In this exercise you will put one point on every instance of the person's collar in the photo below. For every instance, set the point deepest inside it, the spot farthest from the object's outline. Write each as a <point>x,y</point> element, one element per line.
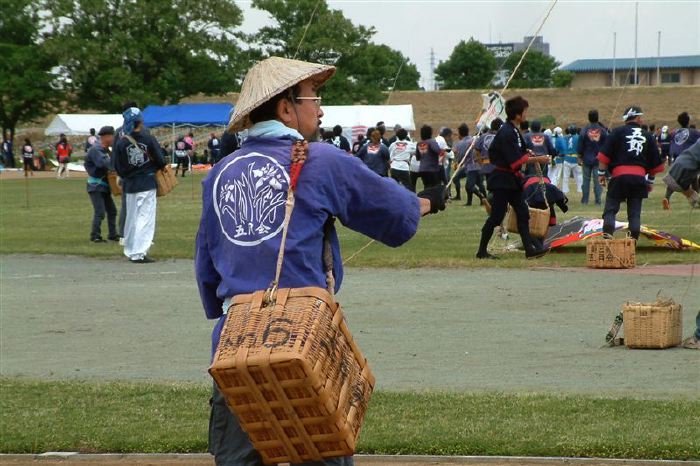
<point>274,129</point>
<point>632,123</point>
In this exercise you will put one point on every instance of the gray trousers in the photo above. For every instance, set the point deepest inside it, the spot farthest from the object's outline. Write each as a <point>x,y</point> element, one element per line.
<point>102,203</point>
<point>230,444</point>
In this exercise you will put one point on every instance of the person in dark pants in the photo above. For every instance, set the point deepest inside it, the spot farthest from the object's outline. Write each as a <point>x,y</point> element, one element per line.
<point>400,152</point>
<point>7,153</point>
<point>508,152</point>
<point>429,154</point>
<point>591,139</point>
<point>97,165</point>
<point>183,152</point>
<point>28,157</point>
<point>631,156</point>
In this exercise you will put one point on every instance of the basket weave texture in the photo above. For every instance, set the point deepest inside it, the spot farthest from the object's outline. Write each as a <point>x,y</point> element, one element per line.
<point>655,325</point>
<point>539,221</point>
<point>611,253</point>
<point>114,187</point>
<point>293,375</point>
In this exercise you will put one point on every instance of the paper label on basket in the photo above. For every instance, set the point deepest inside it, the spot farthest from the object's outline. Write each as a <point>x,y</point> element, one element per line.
<point>249,199</point>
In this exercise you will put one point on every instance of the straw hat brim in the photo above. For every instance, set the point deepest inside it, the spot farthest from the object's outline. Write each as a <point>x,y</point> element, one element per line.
<point>267,79</point>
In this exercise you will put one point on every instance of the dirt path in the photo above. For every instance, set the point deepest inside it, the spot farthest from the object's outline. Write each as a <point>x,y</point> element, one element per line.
<point>422,329</point>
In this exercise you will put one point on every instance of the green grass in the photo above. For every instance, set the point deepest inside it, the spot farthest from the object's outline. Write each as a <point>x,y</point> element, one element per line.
<point>145,417</point>
<point>58,222</point>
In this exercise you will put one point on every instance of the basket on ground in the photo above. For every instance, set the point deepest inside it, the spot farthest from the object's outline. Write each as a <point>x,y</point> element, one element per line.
<point>539,222</point>
<point>655,325</point>
<point>293,375</point>
<point>602,253</point>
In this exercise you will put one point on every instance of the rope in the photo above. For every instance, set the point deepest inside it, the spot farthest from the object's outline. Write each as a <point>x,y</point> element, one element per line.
<point>303,36</point>
<point>474,139</point>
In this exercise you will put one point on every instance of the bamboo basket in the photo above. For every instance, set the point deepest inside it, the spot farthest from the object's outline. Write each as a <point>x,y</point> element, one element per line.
<point>113,184</point>
<point>539,221</point>
<point>604,253</point>
<point>656,325</point>
<point>293,375</point>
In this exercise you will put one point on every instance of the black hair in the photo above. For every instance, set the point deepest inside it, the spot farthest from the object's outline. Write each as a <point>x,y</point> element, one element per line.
<point>92,131</point>
<point>684,119</point>
<point>426,132</point>
<point>593,116</point>
<point>652,128</point>
<point>645,127</point>
<point>27,142</point>
<point>445,132</point>
<point>536,126</point>
<point>515,106</point>
<point>268,110</point>
<point>337,130</point>
<point>524,125</point>
<point>496,124</point>
<point>128,104</point>
<point>401,134</point>
<point>463,130</point>
<point>369,131</point>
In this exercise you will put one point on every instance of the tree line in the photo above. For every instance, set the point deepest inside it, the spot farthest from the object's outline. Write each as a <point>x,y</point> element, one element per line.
<point>97,54</point>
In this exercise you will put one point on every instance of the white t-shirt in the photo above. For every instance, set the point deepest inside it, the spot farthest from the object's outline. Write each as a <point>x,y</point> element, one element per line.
<point>401,154</point>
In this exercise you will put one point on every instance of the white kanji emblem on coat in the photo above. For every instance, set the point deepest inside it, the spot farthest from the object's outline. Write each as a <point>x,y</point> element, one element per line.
<point>636,141</point>
<point>249,197</point>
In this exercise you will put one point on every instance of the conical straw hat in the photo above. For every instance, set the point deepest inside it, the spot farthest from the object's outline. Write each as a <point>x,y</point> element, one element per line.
<point>268,78</point>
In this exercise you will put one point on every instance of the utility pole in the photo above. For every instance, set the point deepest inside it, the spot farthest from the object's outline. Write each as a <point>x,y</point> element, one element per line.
<point>614,80</point>
<point>636,27</point>
<point>658,60</point>
<point>432,69</point>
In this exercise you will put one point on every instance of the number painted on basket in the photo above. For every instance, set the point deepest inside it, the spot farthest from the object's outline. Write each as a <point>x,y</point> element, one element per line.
<point>276,332</point>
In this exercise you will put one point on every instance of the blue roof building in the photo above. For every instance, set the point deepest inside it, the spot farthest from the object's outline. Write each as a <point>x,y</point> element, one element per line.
<point>683,70</point>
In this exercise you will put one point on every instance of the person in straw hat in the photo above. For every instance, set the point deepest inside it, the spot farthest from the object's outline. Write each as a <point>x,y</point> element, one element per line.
<point>243,209</point>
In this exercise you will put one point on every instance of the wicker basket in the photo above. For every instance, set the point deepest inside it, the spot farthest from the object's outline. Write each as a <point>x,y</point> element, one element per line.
<point>604,253</point>
<point>656,325</point>
<point>113,184</point>
<point>293,375</point>
<point>539,222</point>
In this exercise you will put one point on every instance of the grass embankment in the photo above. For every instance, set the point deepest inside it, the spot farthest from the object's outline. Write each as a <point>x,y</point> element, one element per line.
<point>121,417</point>
<point>59,216</point>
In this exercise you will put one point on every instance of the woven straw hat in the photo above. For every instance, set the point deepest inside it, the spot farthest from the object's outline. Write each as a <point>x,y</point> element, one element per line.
<point>268,78</point>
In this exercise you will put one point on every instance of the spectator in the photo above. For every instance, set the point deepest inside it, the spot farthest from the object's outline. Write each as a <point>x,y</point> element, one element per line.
<point>214,146</point>
<point>97,166</point>
<point>629,154</point>
<point>358,144</point>
<point>591,140</point>
<point>664,142</point>
<point>465,155</point>
<point>382,129</point>
<point>429,154</point>
<point>137,157</point>
<point>63,153</point>
<point>375,155</point>
<point>7,151</point>
<point>508,152</point>
<point>392,139</point>
<point>338,140</point>
<point>444,141</point>
<point>91,140</point>
<point>401,151</point>
<point>566,147</point>
<point>28,157</point>
<point>183,152</point>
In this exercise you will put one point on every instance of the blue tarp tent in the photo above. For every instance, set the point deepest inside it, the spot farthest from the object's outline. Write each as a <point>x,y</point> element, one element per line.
<point>187,115</point>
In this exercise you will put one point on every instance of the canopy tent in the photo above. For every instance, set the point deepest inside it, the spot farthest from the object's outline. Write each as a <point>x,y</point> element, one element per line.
<point>187,115</point>
<point>79,124</point>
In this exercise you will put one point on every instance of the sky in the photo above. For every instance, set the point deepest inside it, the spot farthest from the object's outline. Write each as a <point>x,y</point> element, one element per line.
<point>574,30</point>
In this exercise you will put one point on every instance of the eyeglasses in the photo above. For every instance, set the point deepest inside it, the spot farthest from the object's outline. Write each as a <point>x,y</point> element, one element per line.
<point>315,99</point>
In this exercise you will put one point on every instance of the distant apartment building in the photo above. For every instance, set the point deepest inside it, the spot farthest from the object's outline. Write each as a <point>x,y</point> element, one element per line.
<point>684,71</point>
<point>502,50</point>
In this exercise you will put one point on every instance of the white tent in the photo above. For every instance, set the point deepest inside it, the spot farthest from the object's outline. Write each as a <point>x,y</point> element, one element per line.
<point>79,124</point>
<point>349,116</point>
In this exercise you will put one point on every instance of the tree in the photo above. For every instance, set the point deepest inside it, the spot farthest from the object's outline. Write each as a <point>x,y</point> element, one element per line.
<point>27,84</point>
<point>562,78</point>
<point>536,70</point>
<point>150,51</point>
<point>470,66</point>
<point>365,71</point>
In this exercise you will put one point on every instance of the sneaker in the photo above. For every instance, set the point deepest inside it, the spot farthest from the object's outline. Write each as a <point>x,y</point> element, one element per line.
<point>536,253</point>
<point>691,343</point>
<point>99,239</point>
<point>115,238</point>
<point>143,260</point>
<point>666,203</point>
<point>485,255</point>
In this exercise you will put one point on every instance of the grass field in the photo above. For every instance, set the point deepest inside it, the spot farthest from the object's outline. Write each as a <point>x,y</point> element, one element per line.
<point>120,417</point>
<point>59,216</point>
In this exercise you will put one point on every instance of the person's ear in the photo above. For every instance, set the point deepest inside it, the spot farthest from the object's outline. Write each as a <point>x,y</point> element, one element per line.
<point>285,112</point>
